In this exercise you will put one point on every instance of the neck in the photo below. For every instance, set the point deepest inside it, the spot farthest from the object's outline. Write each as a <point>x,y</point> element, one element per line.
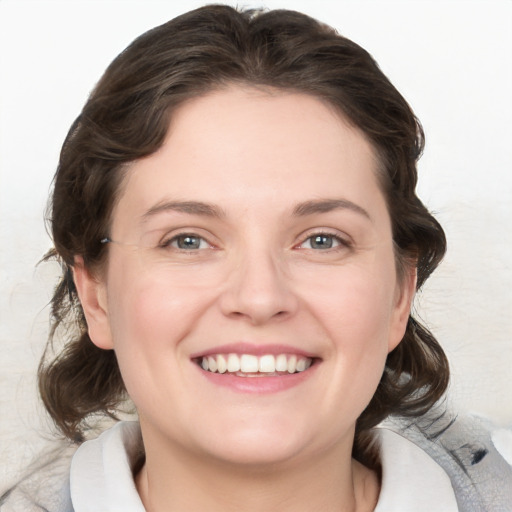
<point>174,480</point>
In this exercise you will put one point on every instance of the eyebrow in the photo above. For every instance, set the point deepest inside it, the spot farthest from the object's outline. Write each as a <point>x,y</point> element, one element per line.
<point>210,210</point>
<point>328,205</point>
<point>189,207</point>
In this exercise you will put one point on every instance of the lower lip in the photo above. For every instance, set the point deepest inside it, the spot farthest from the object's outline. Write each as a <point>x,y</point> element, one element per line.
<point>258,385</point>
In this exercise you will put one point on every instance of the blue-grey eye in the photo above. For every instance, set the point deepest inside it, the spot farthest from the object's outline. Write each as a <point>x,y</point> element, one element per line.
<point>321,242</point>
<point>189,242</point>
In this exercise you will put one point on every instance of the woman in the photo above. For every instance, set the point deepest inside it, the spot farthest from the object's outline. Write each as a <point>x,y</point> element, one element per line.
<point>241,242</point>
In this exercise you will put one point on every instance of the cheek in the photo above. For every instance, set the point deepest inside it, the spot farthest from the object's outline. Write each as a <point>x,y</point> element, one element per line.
<point>149,318</point>
<point>356,304</point>
<point>359,325</point>
<point>353,310</point>
<point>356,312</point>
<point>148,314</point>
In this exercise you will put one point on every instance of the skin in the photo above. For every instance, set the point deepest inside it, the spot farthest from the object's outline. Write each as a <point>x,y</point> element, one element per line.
<point>253,156</point>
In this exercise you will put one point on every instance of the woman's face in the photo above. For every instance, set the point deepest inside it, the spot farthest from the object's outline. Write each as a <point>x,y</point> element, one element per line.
<point>257,237</point>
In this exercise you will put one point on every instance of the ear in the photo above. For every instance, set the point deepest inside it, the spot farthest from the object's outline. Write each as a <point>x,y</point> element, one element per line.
<point>406,290</point>
<point>93,297</point>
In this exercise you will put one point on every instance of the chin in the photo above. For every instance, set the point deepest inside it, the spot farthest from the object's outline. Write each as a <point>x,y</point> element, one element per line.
<point>260,443</point>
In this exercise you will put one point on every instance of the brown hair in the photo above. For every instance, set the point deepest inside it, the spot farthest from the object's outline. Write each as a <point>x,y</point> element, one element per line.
<point>127,117</point>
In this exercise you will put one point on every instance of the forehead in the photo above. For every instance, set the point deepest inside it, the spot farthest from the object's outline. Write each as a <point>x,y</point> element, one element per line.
<point>264,119</point>
<point>239,145</point>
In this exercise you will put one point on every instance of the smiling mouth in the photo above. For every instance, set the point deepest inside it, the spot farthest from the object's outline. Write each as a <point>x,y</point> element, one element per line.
<point>248,365</point>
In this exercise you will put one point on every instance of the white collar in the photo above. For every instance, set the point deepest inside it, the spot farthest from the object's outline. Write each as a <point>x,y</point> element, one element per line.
<point>102,478</point>
<point>101,475</point>
<point>411,480</point>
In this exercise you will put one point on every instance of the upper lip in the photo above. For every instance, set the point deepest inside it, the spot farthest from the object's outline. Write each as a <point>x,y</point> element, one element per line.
<point>253,349</point>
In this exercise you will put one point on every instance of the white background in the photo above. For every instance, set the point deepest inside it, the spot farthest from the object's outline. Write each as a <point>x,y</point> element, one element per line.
<point>451,61</point>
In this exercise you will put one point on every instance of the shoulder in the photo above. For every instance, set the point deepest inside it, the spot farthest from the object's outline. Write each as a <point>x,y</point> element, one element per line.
<point>475,455</point>
<point>45,487</point>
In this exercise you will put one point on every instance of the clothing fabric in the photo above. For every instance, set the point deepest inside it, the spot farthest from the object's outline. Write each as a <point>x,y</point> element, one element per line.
<point>442,465</point>
<point>411,480</point>
<point>102,471</point>
<point>467,449</point>
<point>101,475</point>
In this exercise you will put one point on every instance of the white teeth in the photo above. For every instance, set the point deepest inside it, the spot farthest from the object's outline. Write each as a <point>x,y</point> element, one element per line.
<point>212,364</point>
<point>281,363</point>
<point>222,364</point>
<point>233,363</point>
<point>267,364</point>
<point>292,364</point>
<point>249,365</point>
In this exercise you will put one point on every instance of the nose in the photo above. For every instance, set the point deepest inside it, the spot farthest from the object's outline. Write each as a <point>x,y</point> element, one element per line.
<point>258,290</point>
